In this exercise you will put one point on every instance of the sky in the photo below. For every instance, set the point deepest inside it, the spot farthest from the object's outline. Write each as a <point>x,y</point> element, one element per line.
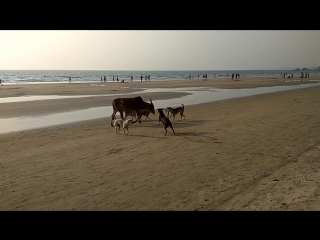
<point>159,49</point>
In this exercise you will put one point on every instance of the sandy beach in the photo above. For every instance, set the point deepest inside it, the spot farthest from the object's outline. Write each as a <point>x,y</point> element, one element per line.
<point>252,153</point>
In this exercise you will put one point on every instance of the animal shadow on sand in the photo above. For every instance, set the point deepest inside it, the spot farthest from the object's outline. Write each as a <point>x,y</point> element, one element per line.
<point>187,123</point>
<point>177,125</point>
<point>147,136</point>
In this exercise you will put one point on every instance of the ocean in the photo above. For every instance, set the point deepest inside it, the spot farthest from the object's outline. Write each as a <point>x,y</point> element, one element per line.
<point>87,76</point>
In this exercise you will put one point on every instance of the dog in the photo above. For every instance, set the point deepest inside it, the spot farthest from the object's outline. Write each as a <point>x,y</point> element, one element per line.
<point>175,111</point>
<point>124,124</point>
<point>165,121</point>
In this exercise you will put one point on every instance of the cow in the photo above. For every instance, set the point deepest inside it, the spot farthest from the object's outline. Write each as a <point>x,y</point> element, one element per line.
<point>133,104</point>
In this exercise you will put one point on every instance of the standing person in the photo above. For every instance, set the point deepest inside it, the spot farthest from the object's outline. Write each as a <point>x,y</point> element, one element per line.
<point>1,82</point>
<point>113,78</point>
<point>69,79</point>
<point>141,78</point>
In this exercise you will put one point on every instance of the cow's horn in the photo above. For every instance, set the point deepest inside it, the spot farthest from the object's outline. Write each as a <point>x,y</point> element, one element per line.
<point>150,100</point>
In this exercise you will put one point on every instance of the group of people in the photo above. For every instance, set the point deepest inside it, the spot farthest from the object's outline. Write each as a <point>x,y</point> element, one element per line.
<point>304,75</point>
<point>236,76</point>
<point>147,78</point>
<point>104,78</point>
<point>117,79</point>
<point>289,76</point>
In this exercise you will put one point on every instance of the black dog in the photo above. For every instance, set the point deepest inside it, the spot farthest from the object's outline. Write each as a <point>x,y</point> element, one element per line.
<point>165,121</point>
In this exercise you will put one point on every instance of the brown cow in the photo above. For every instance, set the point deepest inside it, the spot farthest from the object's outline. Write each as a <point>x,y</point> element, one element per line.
<point>133,104</point>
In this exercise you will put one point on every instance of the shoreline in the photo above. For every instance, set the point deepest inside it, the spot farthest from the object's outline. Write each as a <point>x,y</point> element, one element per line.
<point>96,88</point>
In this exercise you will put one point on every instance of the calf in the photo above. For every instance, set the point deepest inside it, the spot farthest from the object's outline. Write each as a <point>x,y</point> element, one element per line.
<point>133,114</point>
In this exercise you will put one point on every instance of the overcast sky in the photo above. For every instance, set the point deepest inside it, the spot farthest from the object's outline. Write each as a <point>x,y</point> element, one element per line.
<point>158,49</point>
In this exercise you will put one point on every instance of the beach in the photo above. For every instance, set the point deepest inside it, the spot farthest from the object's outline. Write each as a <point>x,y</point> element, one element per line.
<point>252,153</point>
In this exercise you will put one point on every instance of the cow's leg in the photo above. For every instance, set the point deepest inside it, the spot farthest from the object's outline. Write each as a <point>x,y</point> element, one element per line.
<point>139,115</point>
<point>121,115</point>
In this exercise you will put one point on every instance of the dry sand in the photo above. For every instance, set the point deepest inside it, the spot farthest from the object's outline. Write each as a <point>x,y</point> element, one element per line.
<point>252,153</point>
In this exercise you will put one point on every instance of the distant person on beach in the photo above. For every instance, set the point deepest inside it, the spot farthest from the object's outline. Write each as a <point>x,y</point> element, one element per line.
<point>1,82</point>
<point>141,78</point>
<point>69,79</point>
